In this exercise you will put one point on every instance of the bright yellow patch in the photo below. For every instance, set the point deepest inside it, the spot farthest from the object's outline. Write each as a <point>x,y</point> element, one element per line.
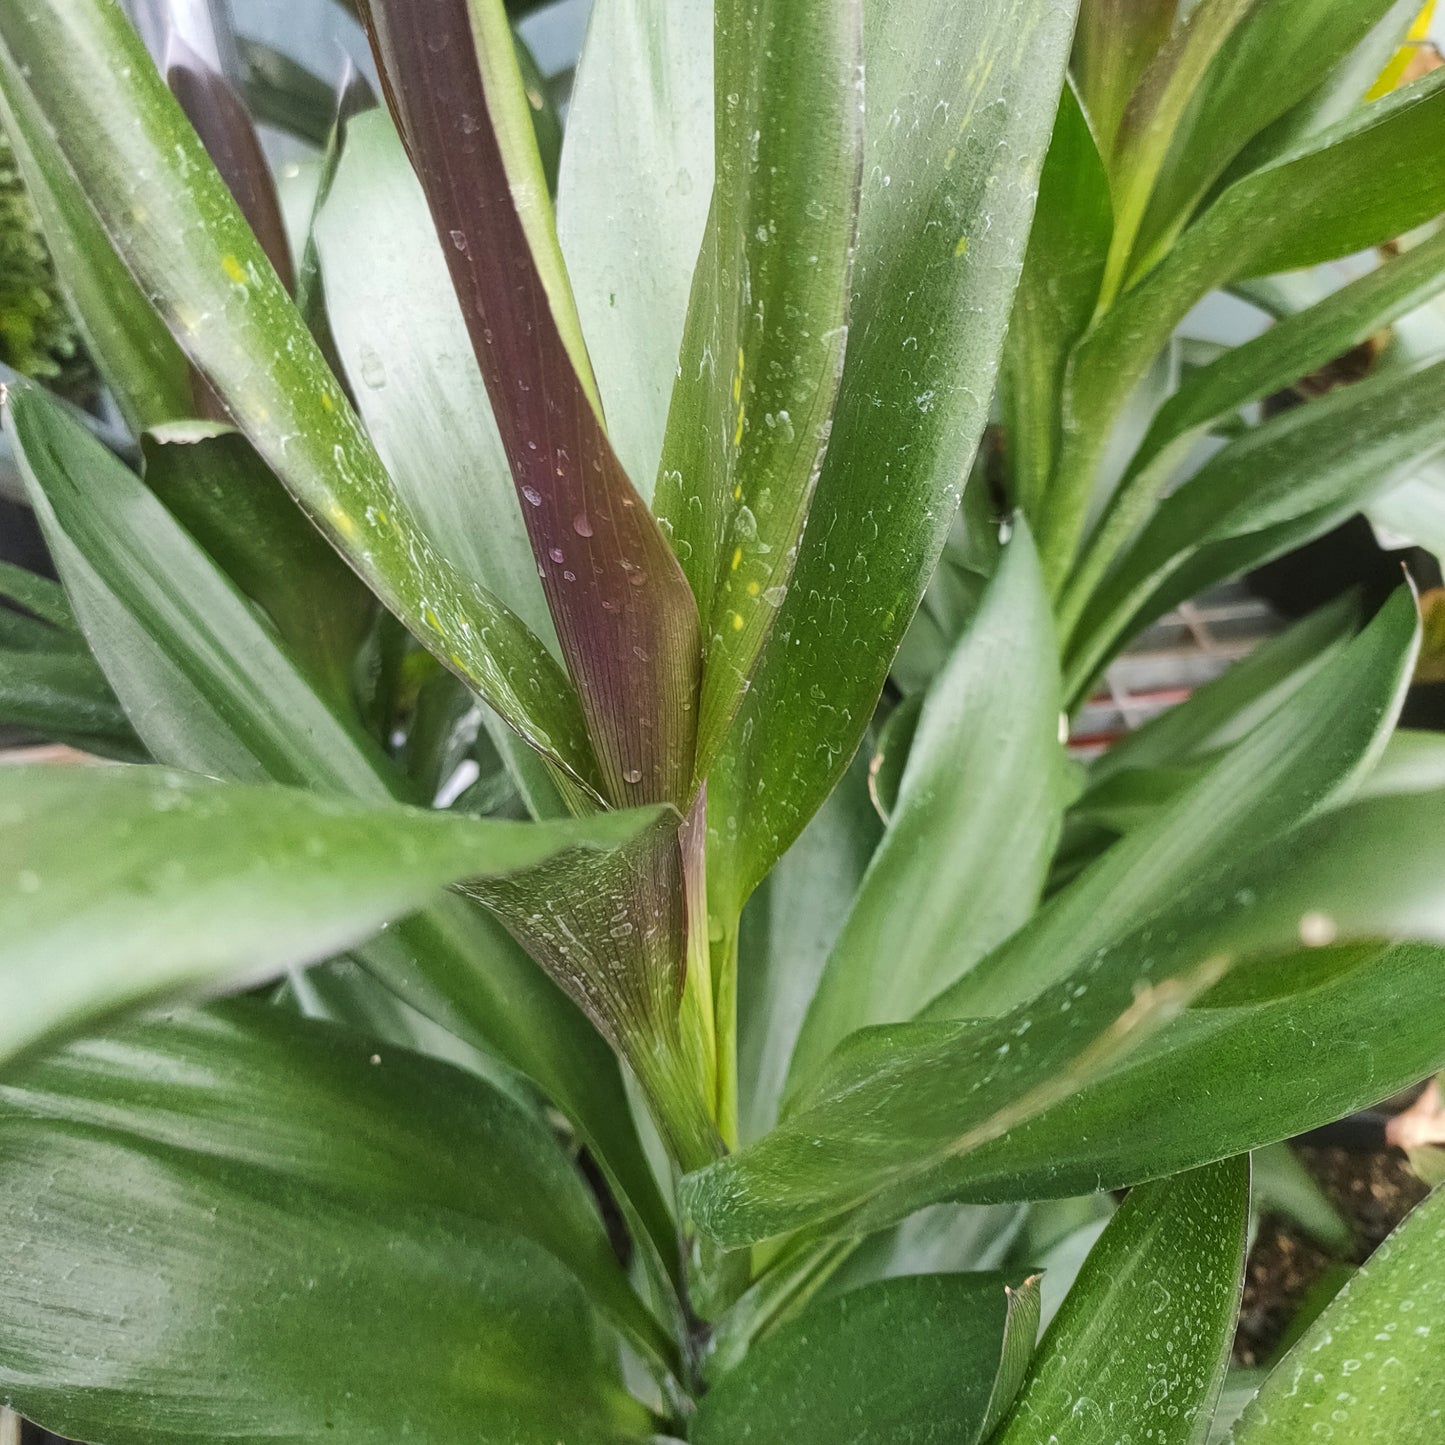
<point>233,268</point>
<point>431,619</point>
<point>737,622</point>
<point>738,492</point>
<point>326,403</point>
<point>738,377</point>
<point>960,246</point>
<point>738,430</point>
<point>737,558</point>
<point>343,523</point>
<point>754,588</point>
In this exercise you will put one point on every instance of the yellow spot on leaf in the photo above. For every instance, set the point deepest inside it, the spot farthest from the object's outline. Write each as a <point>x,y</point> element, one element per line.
<point>737,558</point>
<point>233,268</point>
<point>431,619</point>
<point>738,377</point>
<point>343,523</point>
<point>326,402</point>
<point>949,158</point>
<point>754,588</point>
<point>738,430</point>
<point>960,246</point>
<point>737,622</point>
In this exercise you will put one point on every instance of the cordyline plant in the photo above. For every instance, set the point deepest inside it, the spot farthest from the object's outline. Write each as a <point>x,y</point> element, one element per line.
<point>681,1078</point>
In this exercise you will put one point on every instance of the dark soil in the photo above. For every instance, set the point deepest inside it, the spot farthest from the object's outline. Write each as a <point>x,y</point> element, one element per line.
<point>1374,1190</point>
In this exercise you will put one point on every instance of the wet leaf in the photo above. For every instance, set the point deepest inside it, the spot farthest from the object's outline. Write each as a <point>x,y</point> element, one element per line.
<point>1142,1340</point>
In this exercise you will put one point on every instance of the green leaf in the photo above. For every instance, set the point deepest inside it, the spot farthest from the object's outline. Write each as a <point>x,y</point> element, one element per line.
<point>1294,347</point>
<point>173,222</point>
<point>1350,187</point>
<point>129,883</point>
<point>625,618</point>
<point>283,93</point>
<point>943,219</point>
<point>1057,292</point>
<point>910,1361</point>
<point>402,340</point>
<point>632,200</point>
<point>1369,1366</point>
<point>225,496</point>
<point>1313,461</point>
<point>1272,58</point>
<point>209,687</point>
<point>265,1091</point>
<point>905,1115</point>
<point>786,933</point>
<point>204,681</point>
<point>1115,41</point>
<point>762,350</point>
<point>1320,740</point>
<point>65,696</point>
<point>255,1264</point>
<point>142,367</point>
<point>1140,1345</point>
<point>1227,710</point>
<point>36,594</point>
<point>968,845</point>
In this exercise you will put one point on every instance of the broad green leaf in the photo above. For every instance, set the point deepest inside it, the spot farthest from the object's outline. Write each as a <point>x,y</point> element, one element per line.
<point>1156,108</point>
<point>1282,1185</point>
<point>36,594</point>
<point>632,200</point>
<point>1353,80</point>
<point>264,1090</point>
<point>196,1290</point>
<point>787,931</point>
<point>202,678</point>
<point>126,883</point>
<point>210,688</point>
<point>401,338</point>
<point>951,162</point>
<point>969,842</point>
<point>1115,41</point>
<point>1369,1366</point>
<point>1274,56</point>
<point>762,350</point>
<point>64,697</point>
<point>625,617</point>
<point>1413,762</point>
<point>215,485</point>
<point>909,1361</point>
<point>901,1114</point>
<point>141,365</point>
<point>1413,508</point>
<point>1228,709</point>
<point>1324,737</point>
<point>1140,1345</point>
<point>1319,459</point>
<point>1352,186</point>
<point>1057,292</point>
<point>118,132</point>
<point>1379,1005</point>
<point>1294,347</point>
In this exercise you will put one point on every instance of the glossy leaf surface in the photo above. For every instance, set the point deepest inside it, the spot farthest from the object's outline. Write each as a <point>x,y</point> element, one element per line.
<point>947,198</point>
<point>896,1116</point>
<point>1140,1344</point>
<point>630,232</point>
<point>1369,1366</point>
<point>969,841</point>
<point>1321,739</point>
<point>254,1295</point>
<point>762,350</point>
<point>123,884</point>
<point>181,235</point>
<point>908,1361</point>
<point>264,1090</point>
<point>625,618</point>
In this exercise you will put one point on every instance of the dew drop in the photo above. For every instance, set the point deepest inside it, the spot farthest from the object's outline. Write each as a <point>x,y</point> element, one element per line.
<point>459,240</point>
<point>555,554</point>
<point>532,495</point>
<point>632,775</point>
<point>581,525</point>
<point>373,369</point>
<point>569,576</point>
